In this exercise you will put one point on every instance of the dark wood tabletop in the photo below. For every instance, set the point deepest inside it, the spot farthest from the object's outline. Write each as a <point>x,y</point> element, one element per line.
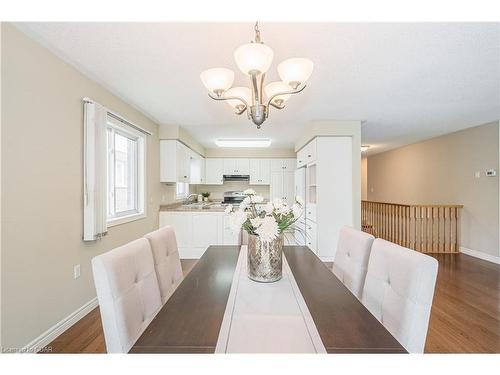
<point>191,319</point>
<point>343,323</point>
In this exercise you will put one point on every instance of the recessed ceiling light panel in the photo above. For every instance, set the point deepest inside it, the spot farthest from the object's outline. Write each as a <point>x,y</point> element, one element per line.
<point>243,142</point>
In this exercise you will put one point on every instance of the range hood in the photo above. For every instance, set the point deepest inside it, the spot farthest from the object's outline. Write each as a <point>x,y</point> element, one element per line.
<point>236,177</point>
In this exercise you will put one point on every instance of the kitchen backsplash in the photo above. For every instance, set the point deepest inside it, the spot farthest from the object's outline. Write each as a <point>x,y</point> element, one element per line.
<point>217,191</point>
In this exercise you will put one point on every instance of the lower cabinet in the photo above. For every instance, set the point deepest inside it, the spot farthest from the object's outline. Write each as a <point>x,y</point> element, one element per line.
<point>196,231</point>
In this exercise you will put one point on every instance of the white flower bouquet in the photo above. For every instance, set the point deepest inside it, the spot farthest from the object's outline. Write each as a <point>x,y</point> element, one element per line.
<point>267,221</point>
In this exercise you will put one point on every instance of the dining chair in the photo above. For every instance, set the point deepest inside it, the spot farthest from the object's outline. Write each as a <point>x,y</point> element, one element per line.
<point>166,260</point>
<point>351,259</point>
<point>128,293</point>
<point>398,291</point>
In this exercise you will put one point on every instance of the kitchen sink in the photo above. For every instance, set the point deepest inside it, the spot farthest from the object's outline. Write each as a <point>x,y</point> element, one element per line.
<point>202,206</point>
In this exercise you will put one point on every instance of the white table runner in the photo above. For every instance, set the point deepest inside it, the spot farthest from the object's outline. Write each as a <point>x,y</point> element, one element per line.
<point>266,317</point>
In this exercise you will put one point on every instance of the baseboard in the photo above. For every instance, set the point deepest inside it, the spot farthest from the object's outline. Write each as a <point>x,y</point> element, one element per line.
<point>53,332</point>
<point>480,255</point>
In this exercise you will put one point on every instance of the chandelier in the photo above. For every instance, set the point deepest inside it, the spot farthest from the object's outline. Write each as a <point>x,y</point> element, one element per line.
<point>254,60</point>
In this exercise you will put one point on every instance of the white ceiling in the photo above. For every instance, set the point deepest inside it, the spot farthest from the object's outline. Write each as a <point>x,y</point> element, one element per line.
<point>407,82</point>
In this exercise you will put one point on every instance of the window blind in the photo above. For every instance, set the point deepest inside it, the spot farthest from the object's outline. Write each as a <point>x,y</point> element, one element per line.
<point>95,178</point>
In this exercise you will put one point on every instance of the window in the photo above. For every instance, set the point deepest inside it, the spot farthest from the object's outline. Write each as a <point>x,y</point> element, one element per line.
<point>182,190</point>
<point>125,172</point>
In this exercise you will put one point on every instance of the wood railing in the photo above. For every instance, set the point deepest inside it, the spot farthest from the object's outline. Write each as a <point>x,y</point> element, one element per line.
<point>425,228</point>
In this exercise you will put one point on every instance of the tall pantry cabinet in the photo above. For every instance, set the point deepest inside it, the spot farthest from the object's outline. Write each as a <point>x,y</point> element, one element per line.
<point>329,191</point>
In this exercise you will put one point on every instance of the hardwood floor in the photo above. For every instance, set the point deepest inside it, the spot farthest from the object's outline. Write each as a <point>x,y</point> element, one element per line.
<point>465,316</point>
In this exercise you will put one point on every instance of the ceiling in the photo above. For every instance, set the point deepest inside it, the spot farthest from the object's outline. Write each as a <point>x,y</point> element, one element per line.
<point>406,82</point>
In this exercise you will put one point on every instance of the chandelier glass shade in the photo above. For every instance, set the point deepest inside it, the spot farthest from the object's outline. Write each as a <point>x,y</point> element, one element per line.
<point>254,60</point>
<point>253,57</point>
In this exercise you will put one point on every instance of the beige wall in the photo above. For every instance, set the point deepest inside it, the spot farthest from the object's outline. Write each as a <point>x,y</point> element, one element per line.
<point>42,209</point>
<point>441,171</point>
<point>364,178</point>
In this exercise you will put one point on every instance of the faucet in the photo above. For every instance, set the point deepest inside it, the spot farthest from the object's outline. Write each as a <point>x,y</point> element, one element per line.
<point>188,198</point>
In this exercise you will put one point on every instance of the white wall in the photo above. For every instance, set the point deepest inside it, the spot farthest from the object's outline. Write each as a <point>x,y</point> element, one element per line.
<point>42,188</point>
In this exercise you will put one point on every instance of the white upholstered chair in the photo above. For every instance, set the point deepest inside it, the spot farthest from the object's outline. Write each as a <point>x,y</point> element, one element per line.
<point>351,258</point>
<point>128,293</point>
<point>166,259</point>
<point>398,291</point>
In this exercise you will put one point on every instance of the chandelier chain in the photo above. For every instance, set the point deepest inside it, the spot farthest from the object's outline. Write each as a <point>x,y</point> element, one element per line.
<point>257,32</point>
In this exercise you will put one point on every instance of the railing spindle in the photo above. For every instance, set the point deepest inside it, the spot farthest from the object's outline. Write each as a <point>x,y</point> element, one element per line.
<point>425,228</point>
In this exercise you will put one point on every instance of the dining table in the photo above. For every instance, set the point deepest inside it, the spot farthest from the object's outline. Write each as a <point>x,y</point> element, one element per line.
<point>218,309</point>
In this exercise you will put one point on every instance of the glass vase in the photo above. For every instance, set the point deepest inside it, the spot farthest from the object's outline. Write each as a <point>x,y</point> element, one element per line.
<point>265,259</point>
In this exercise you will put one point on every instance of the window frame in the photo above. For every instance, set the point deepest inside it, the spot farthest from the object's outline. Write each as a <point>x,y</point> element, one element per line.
<point>183,195</point>
<point>139,212</point>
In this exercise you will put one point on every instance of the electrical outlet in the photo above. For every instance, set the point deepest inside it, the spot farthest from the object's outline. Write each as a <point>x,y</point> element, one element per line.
<point>76,271</point>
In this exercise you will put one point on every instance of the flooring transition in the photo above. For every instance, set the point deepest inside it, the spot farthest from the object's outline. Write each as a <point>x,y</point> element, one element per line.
<point>465,315</point>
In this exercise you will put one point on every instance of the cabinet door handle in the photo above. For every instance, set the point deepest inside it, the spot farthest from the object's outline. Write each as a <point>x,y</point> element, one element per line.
<point>308,156</point>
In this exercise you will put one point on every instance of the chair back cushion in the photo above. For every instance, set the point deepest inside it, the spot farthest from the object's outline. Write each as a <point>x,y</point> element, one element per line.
<point>398,291</point>
<point>351,258</point>
<point>128,293</point>
<point>166,259</point>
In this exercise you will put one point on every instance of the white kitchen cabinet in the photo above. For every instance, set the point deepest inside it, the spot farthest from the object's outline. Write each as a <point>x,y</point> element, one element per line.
<point>203,171</point>
<point>283,165</point>
<point>229,166</point>
<point>197,169</point>
<point>236,166</point>
<point>243,166</point>
<point>311,151</point>
<point>302,157</point>
<point>283,186</point>
<point>214,171</point>
<point>175,161</point>
<point>229,237</point>
<point>260,171</point>
<point>276,188</point>
<point>206,230</point>
<point>181,224</point>
<point>329,192</point>
<point>289,187</point>
<point>196,231</point>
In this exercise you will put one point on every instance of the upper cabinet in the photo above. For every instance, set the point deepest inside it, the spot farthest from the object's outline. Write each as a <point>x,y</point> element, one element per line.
<point>280,165</point>
<point>307,154</point>
<point>260,171</point>
<point>236,166</point>
<point>197,168</point>
<point>214,171</point>
<point>175,161</point>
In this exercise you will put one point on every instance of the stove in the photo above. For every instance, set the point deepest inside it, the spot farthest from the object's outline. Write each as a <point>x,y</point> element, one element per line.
<point>233,197</point>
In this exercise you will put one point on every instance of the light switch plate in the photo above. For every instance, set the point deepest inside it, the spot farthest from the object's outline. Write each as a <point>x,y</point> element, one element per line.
<point>76,271</point>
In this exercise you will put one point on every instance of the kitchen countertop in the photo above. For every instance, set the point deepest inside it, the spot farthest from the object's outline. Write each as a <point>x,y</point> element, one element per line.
<point>194,207</point>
